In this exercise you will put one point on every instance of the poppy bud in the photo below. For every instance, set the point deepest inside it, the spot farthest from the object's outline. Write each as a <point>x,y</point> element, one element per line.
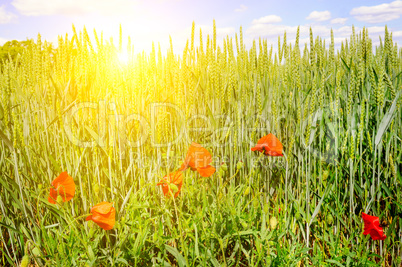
<point>96,189</point>
<point>24,261</point>
<point>233,212</point>
<point>220,173</point>
<point>155,237</point>
<point>173,188</point>
<point>39,186</point>
<point>266,207</point>
<point>330,219</point>
<point>247,191</point>
<point>36,252</point>
<point>59,200</point>
<point>325,175</point>
<point>239,165</point>
<point>244,224</point>
<point>273,222</point>
<point>224,167</point>
<point>256,203</point>
<point>297,216</point>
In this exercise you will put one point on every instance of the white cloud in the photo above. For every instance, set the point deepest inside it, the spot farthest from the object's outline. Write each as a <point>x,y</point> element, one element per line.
<point>379,13</point>
<point>273,31</point>
<point>267,19</point>
<point>319,15</point>
<point>5,16</point>
<point>73,7</point>
<point>339,21</point>
<point>376,29</point>
<point>3,41</point>
<point>270,32</point>
<point>242,8</point>
<point>397,35</point>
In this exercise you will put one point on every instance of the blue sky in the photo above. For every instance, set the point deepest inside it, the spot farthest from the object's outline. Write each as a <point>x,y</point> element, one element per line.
<point>155,20</point>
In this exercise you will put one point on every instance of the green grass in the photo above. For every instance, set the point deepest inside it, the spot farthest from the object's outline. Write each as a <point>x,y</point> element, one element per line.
<point>337,113</point>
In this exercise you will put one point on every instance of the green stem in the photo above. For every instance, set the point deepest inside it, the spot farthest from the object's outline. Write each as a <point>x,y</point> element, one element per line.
<point>180,229</point>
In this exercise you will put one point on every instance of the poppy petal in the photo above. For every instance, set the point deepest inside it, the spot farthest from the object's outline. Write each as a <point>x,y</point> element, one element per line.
<point>274,153</point>
<point>175,178</point>
<point>64,186</point>
<point>206,171</point>
<point>105,226</point>
<point>197,157</point>
<point>165,189</point>
<point>102,208</point>
<point>258,147</point>
<point>52,196</point>
<point>183,167</point>
<point>60,179</point>
<point>105,220</point>
<point>372,227</point>
<point>269,145</point>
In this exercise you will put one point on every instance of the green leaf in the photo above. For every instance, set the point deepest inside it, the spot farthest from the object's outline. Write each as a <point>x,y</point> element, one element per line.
<point>317,209</point>
<point>386,120</point>
<point>214,261</point>
<point>6,140</point>
<point>211,117</point>
<point>344,63</point>
<point>180,259</point>
<point>335,262</point>
<point>10,228</point>
<point>90,253</point>
<point>386,189</point>
<point>122,261</point>
<point>56,165</point>
<point>57,117</point>
<point>197,252</point>
<point>95,136</point>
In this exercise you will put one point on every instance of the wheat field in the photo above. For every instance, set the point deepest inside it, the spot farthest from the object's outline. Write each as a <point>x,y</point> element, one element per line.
<point>118,120</point>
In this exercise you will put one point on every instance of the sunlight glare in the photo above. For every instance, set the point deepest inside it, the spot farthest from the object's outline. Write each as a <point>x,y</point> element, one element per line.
<point>123,57</point>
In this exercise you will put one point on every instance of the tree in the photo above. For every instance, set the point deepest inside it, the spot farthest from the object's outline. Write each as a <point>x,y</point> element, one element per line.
<point>12,49</point>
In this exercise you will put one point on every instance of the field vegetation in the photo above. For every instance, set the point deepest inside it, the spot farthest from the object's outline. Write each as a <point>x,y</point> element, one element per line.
<point>119,120</point>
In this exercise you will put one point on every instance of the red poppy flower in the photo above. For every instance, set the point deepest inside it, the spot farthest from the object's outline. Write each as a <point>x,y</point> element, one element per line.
<point>63,186</point>
<point>269,145</point>
<point>372,227</point>
<point>198,159</point>
<point>103,214</point>
<point>172,183</point>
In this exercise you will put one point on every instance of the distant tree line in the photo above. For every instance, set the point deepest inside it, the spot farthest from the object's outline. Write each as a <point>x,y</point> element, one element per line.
<point>11,49</point>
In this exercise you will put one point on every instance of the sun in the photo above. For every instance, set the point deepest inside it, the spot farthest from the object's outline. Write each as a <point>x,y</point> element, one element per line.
<point>123,57</point>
